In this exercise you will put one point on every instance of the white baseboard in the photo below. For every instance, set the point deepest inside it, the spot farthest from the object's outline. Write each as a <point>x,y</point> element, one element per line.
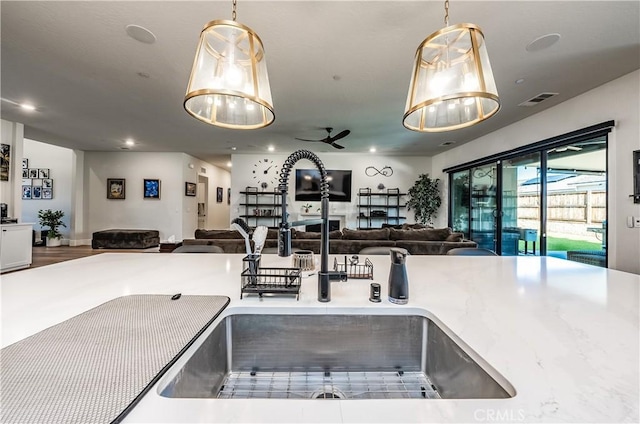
<point>81,242</point>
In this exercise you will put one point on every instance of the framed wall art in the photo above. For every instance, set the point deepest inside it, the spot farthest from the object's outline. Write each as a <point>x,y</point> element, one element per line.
<point>47,193</point>
<point>43,173</point>
<point>219,194</point>
<point>115,188</point>
<point>47,183</point>
<point>36,192</point>
<point>190,189</point>
<point>5,161</point>
<point>26,192</point>
<point>33,173</point>
<point>25,163</point>
<point>228,196</point>
<point>25,173</point>
<point>151,189</point>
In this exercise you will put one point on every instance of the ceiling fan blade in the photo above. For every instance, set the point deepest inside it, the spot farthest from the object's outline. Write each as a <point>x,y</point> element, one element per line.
<point>340,135</point>
<point>304,139</point>
<point>337,146</point>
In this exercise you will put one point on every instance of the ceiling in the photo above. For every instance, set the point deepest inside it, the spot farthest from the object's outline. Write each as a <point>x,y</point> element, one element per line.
<point>334,64</point>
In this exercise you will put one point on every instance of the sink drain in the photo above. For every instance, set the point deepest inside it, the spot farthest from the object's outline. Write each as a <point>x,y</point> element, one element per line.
<point>328,392</point>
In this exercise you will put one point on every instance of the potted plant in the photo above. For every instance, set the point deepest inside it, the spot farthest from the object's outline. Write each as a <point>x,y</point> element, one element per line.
<point>424,198</point>
<point>52,220</point>
<point>306,207</point>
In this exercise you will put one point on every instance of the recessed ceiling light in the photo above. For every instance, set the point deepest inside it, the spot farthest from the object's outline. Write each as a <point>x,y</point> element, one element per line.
<point>129,142</point>
<point>140,33</point>
<point>229,164</point>
<point>543,42</point>
<point>271,148</point>
<point>234,148</point>
<point>519,81</point>
<point>27,107</point>
<point>372,150</point>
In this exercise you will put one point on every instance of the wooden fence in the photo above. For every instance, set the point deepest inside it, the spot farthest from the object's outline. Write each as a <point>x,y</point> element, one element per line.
<point>576,206</point>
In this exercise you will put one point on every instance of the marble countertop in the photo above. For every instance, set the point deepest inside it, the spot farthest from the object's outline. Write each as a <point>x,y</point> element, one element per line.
<point>564,334</point>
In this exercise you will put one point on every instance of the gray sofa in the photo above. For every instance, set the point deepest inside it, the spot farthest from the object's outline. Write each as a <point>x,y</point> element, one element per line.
<point>424,241</point>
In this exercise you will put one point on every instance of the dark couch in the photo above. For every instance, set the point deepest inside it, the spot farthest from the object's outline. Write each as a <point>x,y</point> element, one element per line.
<point>423,241</point>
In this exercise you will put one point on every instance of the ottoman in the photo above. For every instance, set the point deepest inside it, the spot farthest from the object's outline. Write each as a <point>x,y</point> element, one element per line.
<point>125,239</point>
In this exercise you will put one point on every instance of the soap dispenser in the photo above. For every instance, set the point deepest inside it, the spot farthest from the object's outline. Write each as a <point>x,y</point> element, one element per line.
<point>398,282</point>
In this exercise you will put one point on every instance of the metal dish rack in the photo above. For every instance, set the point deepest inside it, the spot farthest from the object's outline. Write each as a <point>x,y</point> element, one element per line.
<point>355,270</point>
<point>262,281</point>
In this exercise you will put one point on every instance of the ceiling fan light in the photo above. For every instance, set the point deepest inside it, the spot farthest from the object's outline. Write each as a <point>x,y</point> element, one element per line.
<point>451,68</point>
<point>230,64</point>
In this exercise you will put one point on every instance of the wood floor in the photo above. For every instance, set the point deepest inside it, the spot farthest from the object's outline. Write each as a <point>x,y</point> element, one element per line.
<point>50,255</point>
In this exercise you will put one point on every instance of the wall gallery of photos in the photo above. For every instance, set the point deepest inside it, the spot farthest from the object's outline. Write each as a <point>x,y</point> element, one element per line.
<point>36,182</point>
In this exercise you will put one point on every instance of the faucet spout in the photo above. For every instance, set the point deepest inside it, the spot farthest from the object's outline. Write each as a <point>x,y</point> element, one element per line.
<point>284,233</point>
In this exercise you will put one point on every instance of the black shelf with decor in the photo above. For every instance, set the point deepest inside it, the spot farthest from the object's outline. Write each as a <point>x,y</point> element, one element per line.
<point>377,208</point>
<point>261,207</point>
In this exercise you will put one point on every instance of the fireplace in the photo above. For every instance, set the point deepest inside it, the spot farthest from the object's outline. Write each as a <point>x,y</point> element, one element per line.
<point>334,224</point>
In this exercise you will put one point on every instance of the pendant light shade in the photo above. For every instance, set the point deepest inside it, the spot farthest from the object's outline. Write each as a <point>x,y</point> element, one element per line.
<point>452,84</point>
<point>229,85</point>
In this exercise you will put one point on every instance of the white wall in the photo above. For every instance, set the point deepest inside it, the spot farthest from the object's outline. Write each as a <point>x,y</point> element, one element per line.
<point>174,214</point>
<point>406,170</point>
<point>59,161</point>
<point>164,214</point>
<point>618,100</point>
<point>11,133</point>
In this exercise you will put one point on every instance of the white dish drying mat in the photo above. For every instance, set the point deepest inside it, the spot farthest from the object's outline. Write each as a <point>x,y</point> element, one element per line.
<point>93,367</point>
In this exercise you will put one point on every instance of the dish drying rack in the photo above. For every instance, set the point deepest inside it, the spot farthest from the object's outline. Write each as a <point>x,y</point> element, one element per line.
<point>262,281</point>
<point>354,269</point>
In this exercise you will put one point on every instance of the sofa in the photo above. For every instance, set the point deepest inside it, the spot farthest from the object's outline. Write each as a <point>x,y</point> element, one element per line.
<point>417,241</point>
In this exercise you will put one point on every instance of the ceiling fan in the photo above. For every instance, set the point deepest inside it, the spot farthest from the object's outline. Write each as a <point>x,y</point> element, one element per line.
<point>330,140</point>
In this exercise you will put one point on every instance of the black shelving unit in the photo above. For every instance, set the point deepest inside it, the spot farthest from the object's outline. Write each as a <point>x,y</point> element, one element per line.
<point>262,207</point>
<point>375,209</point>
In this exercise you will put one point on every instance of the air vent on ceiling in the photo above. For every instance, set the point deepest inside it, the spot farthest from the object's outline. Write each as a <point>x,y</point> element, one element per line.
<point>537,99</point>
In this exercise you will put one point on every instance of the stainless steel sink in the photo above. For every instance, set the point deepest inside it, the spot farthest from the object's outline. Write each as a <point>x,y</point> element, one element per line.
<point>333,357</point>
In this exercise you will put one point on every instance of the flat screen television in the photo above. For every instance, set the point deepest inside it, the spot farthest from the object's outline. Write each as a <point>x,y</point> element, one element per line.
<point>308,185</point>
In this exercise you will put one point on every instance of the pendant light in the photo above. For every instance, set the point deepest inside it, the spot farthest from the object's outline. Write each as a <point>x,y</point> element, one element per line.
<point>452,85</point>
<point>229,85</point>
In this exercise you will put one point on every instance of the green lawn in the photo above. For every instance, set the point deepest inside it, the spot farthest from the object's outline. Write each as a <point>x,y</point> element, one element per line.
<point>563,244</point>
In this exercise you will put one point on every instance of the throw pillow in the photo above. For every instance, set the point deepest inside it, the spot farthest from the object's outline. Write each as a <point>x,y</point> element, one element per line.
<point>217,234</point>
<point>456,237</point>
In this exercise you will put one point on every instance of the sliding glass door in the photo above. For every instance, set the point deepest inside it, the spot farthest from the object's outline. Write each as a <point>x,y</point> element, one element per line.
<point>548,198</point>
<point>576,201</point>
<point>521,205</point>
<point>484,205</point>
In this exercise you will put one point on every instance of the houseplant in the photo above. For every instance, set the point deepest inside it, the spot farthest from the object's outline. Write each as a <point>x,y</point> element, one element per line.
<point>424,198</point>
<point>52,220</point>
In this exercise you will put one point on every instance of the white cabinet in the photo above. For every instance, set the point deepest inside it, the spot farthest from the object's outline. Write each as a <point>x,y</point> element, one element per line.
<point>15,246</point>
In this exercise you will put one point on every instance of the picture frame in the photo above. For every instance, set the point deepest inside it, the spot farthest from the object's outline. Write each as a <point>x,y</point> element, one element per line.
<point>5,161</point>
<point>47,183</point>
<point>43,173</point>
<point>25,163</point>
<point>190,189</point>
<point>47,193</point>
<point>36,192</point>
<point>26,192</point>
<point>115,188</point>
<point>25,173</point>
<point>37,182</point>
<point>33,173</point>
<point>26,181</point>
<point>219,194</point>
<point>151,188</point>
<point>228,196</point>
